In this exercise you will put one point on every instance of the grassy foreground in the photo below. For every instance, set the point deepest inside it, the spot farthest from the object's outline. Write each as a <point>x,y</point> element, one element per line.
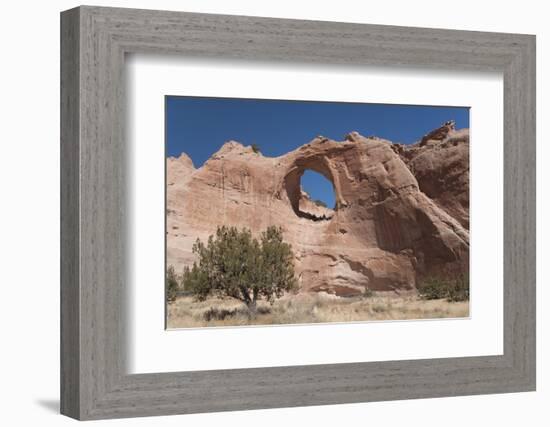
<point>185,312</point>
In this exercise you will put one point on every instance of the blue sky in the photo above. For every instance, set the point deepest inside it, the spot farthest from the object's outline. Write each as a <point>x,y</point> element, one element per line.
<point>200,126</point>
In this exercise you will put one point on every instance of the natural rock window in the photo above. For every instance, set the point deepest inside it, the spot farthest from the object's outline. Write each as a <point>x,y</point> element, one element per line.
<point>389,228</point>
<point>311,194</point>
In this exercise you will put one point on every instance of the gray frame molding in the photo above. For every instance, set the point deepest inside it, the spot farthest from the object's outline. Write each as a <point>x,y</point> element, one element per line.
<point>94,41</point>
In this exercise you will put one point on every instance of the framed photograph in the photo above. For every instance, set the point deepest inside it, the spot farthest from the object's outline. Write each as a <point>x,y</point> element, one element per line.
<point>261,213</point>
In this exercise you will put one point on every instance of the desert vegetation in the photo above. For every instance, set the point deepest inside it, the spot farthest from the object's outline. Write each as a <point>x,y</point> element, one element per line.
<point>236,265</point>
<point>187,312</point>
<point>241,280</point>
<point>451,289</point>
<point>172,284</point>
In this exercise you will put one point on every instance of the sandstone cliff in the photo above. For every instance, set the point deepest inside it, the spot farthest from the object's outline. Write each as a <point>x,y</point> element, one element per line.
<point>401,211</point>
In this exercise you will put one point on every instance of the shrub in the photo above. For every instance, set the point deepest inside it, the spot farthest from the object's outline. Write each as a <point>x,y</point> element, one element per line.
<point>459,289</point>
<point>172,285</point>
<point>432,288</point>
<point>214,313</point>
<point>320,203</point>
<point>369,293</point>
<point>256,148</point>
<point>453,290</point>
<point>234,264</point>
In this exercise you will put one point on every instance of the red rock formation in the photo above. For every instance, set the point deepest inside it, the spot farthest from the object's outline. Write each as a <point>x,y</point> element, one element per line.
<point>441,165</point>
<point>385,232</point>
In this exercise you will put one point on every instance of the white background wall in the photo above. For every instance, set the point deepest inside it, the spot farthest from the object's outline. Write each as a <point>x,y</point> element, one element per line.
<point>29,214</point>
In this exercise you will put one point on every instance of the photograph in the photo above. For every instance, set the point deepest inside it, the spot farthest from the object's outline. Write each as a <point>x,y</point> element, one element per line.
<point>297,212</point>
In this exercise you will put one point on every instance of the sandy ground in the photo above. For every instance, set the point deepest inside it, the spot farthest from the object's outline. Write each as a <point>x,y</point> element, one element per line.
<point>310,308</point>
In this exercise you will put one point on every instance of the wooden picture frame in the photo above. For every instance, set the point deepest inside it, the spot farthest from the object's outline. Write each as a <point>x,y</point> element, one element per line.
<point>94,382</point>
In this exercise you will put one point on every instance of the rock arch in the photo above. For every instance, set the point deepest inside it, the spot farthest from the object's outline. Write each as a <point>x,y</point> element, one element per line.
<point>385,232</point>
<point>317,161</point>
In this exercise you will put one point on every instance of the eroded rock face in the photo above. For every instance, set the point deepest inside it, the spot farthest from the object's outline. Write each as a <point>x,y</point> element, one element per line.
<point>391,225</point>
<point>441,165</point>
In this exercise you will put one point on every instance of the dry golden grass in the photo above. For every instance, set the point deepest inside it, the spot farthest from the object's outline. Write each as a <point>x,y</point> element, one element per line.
<point>310,308</point>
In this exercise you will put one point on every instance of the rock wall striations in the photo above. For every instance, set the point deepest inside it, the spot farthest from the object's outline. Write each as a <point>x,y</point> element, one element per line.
<point>402,211</point>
